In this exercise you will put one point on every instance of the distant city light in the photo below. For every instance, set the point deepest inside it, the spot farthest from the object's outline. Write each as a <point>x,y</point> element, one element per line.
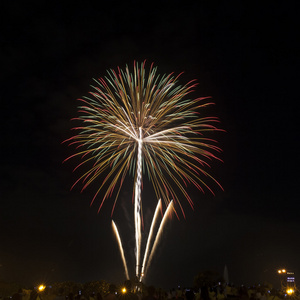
<point>290,291</point>
<point>281,271</point>
<point>41,287</point>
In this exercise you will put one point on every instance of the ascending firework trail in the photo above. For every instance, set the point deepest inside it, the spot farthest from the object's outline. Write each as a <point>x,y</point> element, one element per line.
<point>143,123</point>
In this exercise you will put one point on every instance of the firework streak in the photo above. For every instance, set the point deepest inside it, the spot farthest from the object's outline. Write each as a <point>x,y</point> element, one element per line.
<point>142,123</point>
<point>159,232</point>
<point>158,207</point>
<point>121,247</point>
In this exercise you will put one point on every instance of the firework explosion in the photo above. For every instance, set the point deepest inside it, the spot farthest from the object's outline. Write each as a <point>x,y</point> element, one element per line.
<point>142,123</point>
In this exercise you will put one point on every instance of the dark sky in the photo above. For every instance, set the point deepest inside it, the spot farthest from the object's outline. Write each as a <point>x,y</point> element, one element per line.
<point>243,55</point>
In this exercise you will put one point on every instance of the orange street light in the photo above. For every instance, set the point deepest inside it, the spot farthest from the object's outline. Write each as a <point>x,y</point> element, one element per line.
<point>290,291</point>
<point>41,287</point>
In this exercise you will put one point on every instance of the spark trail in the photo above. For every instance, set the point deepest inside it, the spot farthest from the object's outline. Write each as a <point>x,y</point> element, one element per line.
<point>137,202</point>
<point>158,207</point>
<point>120,247</point>
<point>159,232</point>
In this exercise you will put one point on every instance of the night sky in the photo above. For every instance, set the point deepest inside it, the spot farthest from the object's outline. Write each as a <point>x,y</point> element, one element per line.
<point>244,56</point>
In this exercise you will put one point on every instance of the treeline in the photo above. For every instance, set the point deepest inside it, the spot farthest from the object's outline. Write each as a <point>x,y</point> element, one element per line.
<point>93,287</point>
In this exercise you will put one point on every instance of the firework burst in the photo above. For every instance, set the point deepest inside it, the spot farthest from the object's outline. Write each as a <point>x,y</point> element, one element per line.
<point>144,124</point>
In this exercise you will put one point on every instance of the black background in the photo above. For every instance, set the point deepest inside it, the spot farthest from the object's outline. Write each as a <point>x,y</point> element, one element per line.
<point>243,55</point>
